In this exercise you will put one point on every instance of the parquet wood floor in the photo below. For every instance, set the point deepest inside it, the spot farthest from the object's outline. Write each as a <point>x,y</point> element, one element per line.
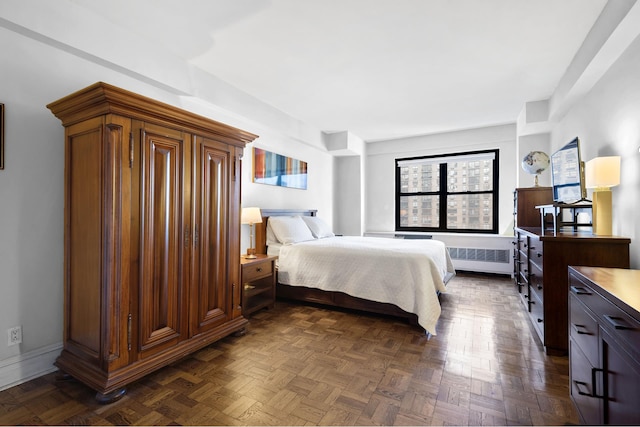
<point>307,365</point>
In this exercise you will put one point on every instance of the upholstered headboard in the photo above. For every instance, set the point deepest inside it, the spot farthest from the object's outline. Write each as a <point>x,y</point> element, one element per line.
<point>261,229</point>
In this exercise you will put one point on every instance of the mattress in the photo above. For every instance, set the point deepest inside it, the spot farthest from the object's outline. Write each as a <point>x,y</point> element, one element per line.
<point>406,273</point>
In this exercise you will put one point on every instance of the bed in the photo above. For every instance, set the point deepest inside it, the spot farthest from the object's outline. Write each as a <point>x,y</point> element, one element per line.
<point>395,277</point>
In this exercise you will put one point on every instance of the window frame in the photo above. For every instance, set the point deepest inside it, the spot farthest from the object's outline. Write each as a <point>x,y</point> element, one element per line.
<point>444,192</point>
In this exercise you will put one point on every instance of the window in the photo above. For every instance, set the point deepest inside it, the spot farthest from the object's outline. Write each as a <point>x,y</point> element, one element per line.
<point>431,190</point>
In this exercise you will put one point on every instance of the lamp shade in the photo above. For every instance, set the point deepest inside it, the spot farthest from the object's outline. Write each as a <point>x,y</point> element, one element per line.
<point>250,216</point>
<point>602,172</point>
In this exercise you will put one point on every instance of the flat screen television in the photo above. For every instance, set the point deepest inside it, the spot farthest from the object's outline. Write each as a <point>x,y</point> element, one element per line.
<point>567,174</point>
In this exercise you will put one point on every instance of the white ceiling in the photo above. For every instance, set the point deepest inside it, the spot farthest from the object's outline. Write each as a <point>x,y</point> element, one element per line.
<point>380,69</point>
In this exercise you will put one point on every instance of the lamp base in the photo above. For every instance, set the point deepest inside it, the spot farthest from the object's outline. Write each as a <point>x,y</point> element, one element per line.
<point>602,223</point>
<point>251,253</point>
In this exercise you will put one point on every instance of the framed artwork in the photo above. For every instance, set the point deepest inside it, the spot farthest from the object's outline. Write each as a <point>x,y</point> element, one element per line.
<point>276,169</point>
<point>1,136</point>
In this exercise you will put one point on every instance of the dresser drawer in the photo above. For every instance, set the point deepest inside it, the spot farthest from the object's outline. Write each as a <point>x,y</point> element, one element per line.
<point>256,271</point>
<point>583,329</point>
<point>535,246</point>
<point>584,384</point>
<point>536,312</point>
<point>622,327</point>
<point>536,282</point>
<point>524,268</point>
<point>535,255</point>
<point>584,293</point>
<point>524,256</point>
<point>524,277</point>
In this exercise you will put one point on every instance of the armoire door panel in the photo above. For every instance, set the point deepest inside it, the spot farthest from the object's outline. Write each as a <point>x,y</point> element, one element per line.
<point>234,238</point>
<point>98,217</point>
<point>211,275</point>
<point>162,218</point>
<point>83,217</point>
<point>117,228</point>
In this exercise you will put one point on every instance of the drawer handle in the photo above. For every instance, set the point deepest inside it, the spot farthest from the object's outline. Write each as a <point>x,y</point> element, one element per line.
<point>594,384</point>
<point>540,320</point>
<point>580,384</point>
<point>539,287</point>
<point>539,254</point>
<point>259,269</point>
<point>579,290</point>
<point>582,332</point>
<point>617,322</point>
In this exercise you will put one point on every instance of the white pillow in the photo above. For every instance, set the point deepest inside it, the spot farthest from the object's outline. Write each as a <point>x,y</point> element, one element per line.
<point>290,229</point>
<point>271,238</point>
<point>318,227</point>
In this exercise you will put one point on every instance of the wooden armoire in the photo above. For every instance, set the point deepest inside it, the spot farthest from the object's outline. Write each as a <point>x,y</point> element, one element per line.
<point>152,235</point>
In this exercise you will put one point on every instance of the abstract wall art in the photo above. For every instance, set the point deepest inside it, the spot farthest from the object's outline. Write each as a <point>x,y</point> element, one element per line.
<point>276,169</point>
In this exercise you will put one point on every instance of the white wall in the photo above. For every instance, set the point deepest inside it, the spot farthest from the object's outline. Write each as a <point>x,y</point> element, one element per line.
<point>348,196</point>
<point>43,60</point>
<point>349,182</point>
<point>380,181</point>
<point>607,121</point>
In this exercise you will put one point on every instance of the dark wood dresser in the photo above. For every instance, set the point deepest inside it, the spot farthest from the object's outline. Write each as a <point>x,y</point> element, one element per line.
<point>525,213</point>
<point>542,262</point>
<point>604,344</point>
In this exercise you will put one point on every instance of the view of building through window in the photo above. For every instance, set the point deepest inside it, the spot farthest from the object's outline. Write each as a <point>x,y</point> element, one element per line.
<point>468,192</point>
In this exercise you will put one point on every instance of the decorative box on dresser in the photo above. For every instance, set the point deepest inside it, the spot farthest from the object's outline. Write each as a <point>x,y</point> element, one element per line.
<point>152,235</point>
<point>604,344</point>
<point>542,275</point>
<point>258,283</point>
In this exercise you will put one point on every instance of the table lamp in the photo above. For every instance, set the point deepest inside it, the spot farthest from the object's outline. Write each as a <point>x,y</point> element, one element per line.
<point>251,216</point>
<point>601,174</point>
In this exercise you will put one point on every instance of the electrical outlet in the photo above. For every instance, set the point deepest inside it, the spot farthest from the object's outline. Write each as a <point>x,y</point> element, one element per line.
<point>15,335</point>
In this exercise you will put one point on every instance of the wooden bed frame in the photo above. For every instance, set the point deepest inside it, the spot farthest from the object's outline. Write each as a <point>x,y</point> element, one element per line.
<point>317,296</point>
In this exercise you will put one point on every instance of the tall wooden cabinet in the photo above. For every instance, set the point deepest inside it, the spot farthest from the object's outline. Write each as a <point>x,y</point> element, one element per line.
<point>525,201</point>
<point>152,235</point>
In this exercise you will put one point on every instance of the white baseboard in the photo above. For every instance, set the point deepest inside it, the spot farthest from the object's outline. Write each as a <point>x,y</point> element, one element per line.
<point>22,368</point>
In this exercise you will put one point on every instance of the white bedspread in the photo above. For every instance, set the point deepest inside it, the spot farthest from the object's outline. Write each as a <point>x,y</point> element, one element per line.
<point>406,273</point>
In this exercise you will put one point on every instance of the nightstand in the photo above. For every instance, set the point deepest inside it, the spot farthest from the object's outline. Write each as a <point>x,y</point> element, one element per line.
<point>258,283</point>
